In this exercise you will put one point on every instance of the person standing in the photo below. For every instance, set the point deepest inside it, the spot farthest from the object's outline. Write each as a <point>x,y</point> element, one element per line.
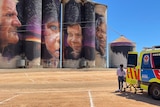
<point>121,75</point>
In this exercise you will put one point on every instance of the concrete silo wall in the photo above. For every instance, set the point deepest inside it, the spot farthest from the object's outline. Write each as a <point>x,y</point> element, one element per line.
<point>28,44</point>
<point>32,37</point>
<point>101,37</point>
<point>118,55</point>
<point>89,33</point>
<point>86,17</point>
<point>50,54</point>
<point>72,33</point>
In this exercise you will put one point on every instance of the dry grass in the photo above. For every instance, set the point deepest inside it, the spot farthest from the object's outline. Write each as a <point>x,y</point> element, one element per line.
<point>66,88</point>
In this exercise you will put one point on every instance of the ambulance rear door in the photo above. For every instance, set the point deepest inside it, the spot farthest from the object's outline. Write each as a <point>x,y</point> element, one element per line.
<point>131,73</point>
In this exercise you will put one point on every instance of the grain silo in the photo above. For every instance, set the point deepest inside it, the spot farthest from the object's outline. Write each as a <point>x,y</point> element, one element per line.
<point>54,33</point>
<point>118,50</point>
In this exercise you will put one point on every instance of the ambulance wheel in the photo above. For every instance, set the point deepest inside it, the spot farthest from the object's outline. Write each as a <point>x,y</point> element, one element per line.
<point>155,91</point>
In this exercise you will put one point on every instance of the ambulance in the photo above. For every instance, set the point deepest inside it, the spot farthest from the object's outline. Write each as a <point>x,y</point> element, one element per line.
<point>143,71</point>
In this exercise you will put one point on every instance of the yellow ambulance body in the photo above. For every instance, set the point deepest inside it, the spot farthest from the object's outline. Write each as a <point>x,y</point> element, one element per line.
<point>143,71</point>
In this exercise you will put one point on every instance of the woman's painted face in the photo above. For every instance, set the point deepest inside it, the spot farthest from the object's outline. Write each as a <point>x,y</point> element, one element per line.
<point>101,36</point>
<point>52,38</point>
<point>101,31</point>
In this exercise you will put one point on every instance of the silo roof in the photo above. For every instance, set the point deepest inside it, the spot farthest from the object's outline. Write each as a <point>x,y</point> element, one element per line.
<point>122,41</point>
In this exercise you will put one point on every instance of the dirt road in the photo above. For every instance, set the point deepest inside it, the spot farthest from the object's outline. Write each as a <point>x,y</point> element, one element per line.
<point>66,88</point>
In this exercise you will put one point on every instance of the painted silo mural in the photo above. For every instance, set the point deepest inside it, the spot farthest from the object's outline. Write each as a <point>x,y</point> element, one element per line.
<point>118,51</point>
<point>101,37</point>
<point>89,33</point>
<point>82,21</point>
<point>34,38</point>
<point>9,38</point>
<point>72,33</point>
<point>50,33</point>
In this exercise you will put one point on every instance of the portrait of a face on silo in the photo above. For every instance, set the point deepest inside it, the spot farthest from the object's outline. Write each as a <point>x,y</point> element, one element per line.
<point>9,38</point>
<point>50,33</point>
<point>101,35</point>
<point>73,30</point>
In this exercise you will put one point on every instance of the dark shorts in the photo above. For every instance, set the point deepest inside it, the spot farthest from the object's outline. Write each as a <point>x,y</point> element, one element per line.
<point>120,78</point>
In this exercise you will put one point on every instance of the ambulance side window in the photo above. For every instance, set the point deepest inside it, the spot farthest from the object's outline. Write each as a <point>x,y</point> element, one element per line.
<point>156,60</point>
<point>132,60</point>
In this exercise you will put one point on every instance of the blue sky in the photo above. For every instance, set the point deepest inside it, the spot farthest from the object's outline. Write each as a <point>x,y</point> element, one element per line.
<point>137,20</point>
